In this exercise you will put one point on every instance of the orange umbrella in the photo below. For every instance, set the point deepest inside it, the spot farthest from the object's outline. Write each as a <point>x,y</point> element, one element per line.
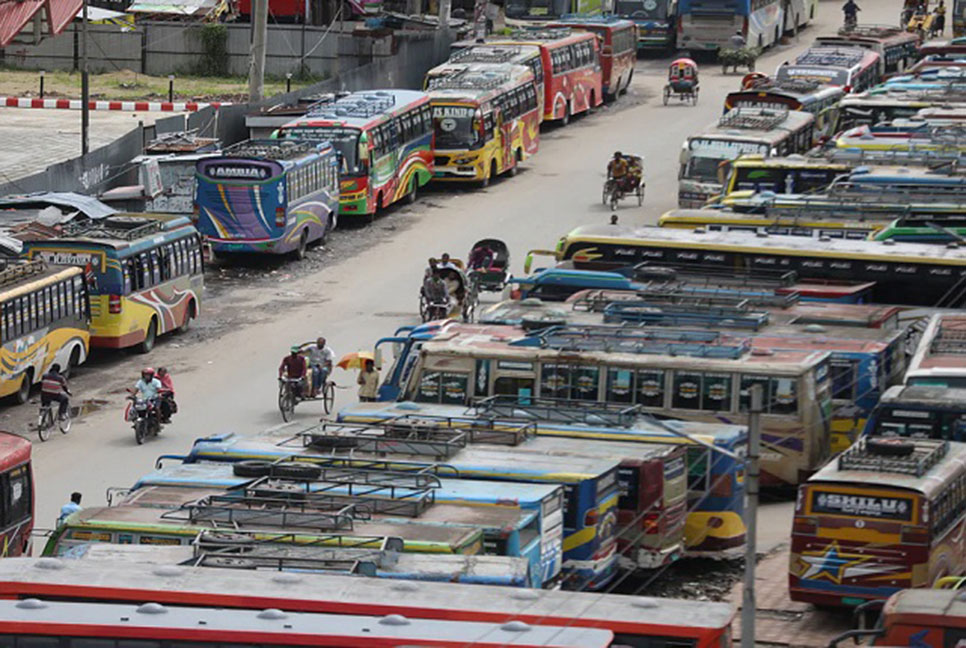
<point>354,360</point>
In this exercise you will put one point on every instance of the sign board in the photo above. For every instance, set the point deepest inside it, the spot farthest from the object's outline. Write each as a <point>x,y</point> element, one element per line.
<point>867,506</point>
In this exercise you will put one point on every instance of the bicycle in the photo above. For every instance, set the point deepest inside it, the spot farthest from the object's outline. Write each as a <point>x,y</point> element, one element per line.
<point>46,419</point>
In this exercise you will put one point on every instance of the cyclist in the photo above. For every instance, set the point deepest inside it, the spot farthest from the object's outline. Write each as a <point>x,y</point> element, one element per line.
<point>293,366</point>
<point>53,387</point>
<point>321,359</point>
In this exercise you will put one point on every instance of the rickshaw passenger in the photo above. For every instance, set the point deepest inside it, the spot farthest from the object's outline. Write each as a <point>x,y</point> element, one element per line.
<point>635,171</point>
<point>445,262</point>
<point>481,258</point>
<point>433,287</point>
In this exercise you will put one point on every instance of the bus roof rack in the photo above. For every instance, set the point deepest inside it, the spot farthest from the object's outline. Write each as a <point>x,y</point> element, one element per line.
<point>870,30</point>
<point>360,104</point>
<point>598,300</point>
<point>227,539</point>
<point>657,314</point>
<point>125,228</point>
<point>541,33</point>
<point>486,54</point>
<point>19,270</point>
<point>235,512</point>
<point>690,273</point>
<point>469,79</point>
<point>795,85</point>
<point>831,56</point>
<point>753,118</point>
<point>636,339</point>
<point>557,410</point>
<point>282,149</point>
<point>950,338</point>
<point>920,455</point>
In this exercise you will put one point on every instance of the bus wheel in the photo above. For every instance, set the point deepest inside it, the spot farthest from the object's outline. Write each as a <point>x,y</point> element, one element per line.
<point>627,85</point>
<point>485,182</point>
<point>71,363</point>
<point>566,116</point>
<point>189,315</point>
<point>150,337</point>
<point>411,196</point>
<point>303,244</point>
<point>23,393</point>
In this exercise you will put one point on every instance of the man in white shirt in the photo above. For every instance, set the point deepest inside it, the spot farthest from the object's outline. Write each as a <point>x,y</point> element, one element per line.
<point>444,262</point>
<point>321,358</point>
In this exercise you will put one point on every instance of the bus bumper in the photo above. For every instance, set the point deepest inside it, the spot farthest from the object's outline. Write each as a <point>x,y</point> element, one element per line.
<point>117,341</point>
<point>714,534</point>
<point>235,246</point>
<point>458,173</point>
<point>648,558</point>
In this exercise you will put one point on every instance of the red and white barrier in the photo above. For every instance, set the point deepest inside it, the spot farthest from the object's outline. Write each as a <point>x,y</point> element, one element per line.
<point>128,106</point>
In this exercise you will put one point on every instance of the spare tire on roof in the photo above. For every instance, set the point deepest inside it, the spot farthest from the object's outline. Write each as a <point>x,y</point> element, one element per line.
<point>890,447</point>
<point>296,470</point>
<point>252,468</point>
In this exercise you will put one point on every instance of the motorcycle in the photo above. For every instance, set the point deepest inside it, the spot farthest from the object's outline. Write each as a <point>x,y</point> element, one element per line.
<point>144,417</point>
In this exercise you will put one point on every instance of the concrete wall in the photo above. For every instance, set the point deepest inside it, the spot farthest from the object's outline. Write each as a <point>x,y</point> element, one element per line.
<point>108,49</point>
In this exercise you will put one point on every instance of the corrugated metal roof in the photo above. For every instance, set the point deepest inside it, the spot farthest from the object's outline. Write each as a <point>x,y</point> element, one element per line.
<point>17,14</point>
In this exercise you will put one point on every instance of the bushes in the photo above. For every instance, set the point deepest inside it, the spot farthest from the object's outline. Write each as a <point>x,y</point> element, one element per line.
<point>214,41</point>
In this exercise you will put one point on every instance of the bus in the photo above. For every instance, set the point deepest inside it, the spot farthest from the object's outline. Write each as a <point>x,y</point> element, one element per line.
<point>113,625</point>
<point>44,319</point>
<point>886,515</point>
<point>17,491</point>
<point>656,21</point>
<point>937,229</point>
<point>145,274</point>
<point>917,617</point>
<point>572,79</point>
<point>896,47</point>
<point>921,412</point>
<point>940,356</point>
<point>907,136</point>
<point>757,131</point>
<point>531,14</point>
<point>721,220</point>
<point>911,274</point>
<point>486,121</point>
<point>636,621</point>
<point>851,68</point>
<point>590,485</point>
<point>870,108</point>
<point>810,96</point>
<point>710,24</point>
<point>267,196</point>
<point>794,174</point>
<point>466,53</point>
<point>904,184</point>
<point>618,49</point>
<point>534,534</point>
<point>384,139</point>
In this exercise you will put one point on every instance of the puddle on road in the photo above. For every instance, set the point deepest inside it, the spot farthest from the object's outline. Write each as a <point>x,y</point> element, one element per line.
<point>88,406</point>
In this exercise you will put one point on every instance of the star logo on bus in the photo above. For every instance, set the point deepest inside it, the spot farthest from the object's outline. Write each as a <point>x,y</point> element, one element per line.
<point>833,566</point>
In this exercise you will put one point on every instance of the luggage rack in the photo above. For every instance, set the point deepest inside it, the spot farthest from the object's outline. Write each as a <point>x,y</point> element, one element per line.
<point>347,469</point>
<point>310,513</point>
<point>113,228</point>
<point>656,314</point>
<point>875,31</point>
<point>701,275</point>
<point>476,431</point>
<point>558,410</point>
<point>356,105</point>
<point>802,86</point>
<point>399,438</point>
<point>637,339</point>
<point>753,118</point>
<point>925,454</point>
<point>950,339</point>
<point>270,149</point>
<point>598,301</point>
<point>20,270</point>
<point>831,56</point>
<point>228,540</point>
<point>469,79</point>
<point>545,34</point>
<point>486,54</point>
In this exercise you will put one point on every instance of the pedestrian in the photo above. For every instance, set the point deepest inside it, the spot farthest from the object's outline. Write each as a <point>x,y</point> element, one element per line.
<point>613,219</point>
<point>939,20</point>
<point>69,508</point>
<point>368,382</point>
<point>737,41</point>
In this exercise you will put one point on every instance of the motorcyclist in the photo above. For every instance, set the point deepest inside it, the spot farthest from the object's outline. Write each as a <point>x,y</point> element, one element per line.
<point>148,388</point>
<point>53,388</point>
<point>168,406</point>
<point>851,11</point>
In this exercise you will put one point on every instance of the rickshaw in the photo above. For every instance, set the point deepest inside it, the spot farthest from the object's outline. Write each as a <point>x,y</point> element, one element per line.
<point>682,79</point>
<point>488,263</point>
<point>461,301</point>
<point>633,184</point>
<point>292,391</point>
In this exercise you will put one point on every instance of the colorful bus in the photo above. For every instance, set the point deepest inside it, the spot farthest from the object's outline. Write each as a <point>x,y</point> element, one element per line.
<point>930,618</point>
<point>794,174</point>
<point>384,139</point>
<point>757,131</point>
<point>572,80</point>
<point>904,184</point>
<point>590,485</point>
<point>921,412</point>
<point>636,621</point>
<point>486,121</point>
<point>887,514</point>
<point>911,274</point>
<point>896,47</point>
<point>145,274</point>
<point>902,136</point>
<point>721,220</point>
<point>656,21</point>
<point>618,48</point>
<point>44,319</point>
<point>810,96</point>
<point>870,108</point>
<point>269,196</point>
<point>851,68</point>
<point>930,229</point>
<point>466,53</point>
<point>529,14</point>
<point>710,24</point>
<point>73,625</point>
<point>940,356</point>
<point>17,490</point>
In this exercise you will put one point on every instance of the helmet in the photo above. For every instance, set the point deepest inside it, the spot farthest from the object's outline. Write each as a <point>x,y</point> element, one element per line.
<point>295,348</point>
<point>147,370</point>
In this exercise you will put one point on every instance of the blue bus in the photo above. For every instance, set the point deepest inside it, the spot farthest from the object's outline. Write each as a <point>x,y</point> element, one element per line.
<point>710,24</point>
<point>535,535</point>
<point>656,21</point>
<point>267,196</point>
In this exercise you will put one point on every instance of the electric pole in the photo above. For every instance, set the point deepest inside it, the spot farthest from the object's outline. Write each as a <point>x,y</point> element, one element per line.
<point>752,473</point>
<point>85,89</point>
<point>256,70</point>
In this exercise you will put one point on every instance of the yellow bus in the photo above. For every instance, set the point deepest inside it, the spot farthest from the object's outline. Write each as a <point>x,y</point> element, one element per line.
<point>794,174</point>
<point>486,119</point>
<point>721,220</point>
<point>145,274</point>
<point>44,318</point>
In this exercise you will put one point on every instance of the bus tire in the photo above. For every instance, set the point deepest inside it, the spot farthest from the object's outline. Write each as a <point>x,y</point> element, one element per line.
<point>189,314</point>
<point>303,244</point>
<point>22,395</point>
<point>627,85</point>
<point>252,468</point>
<point>566,116</point>
<point>593,101</point>
<point>485,182</point>
<point>412,194</point>
<point>295,470</point>
<point>150,337</point>
<point>72,362</point>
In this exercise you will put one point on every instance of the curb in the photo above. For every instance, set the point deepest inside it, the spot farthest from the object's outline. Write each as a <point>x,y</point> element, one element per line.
<point>129,106</point>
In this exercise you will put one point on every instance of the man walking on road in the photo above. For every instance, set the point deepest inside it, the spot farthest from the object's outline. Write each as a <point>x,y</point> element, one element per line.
<point>69,508</point>
<point>368,382</point>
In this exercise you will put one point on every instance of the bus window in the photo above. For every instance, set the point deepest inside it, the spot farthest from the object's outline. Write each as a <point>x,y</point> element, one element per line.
<point>512,386</point>
<point>843,378</point>
<point>650,388</point>
<point>19,499</point>
<point>620,388</point>
<point>783,397</point>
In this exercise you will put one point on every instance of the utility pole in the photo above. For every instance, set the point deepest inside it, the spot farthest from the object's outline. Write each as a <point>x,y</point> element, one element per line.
<point>256,70</point>
<point>479,20</point>
<point>752,473</point>
<point>445,7</point>
<point>85,89</point>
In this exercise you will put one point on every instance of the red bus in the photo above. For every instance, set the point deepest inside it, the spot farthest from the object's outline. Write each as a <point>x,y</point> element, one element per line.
<point>930,618</point>
<point>123,575</point>
<point>618,52</point>
<point>17,493</point>
<point>572,82</point>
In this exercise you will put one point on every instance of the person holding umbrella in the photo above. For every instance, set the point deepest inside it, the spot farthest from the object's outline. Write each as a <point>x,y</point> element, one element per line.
<point>368,382</point>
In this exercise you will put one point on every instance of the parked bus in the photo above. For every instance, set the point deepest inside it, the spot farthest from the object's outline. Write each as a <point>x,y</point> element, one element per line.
<point>486,121</point>
<point>700,624</point>
<point>904,184</point>
<point>902,136</point>
<point>44,319</point>
<point>757,131</point>
<point>811,96</point>
<point>795,174</point>
<point>886,515</point>
<point>720,220</point>
<point>896,47</point>
<point>936,229</point>
<point>912,274</point>
<point>590,484</point>
<point>17,490</point>
<point>920,412</point>
<point>917,617</point>
<point>145,274</point>
<point>871,108</point>
<point>535,535</point>
<point>940,356</point>
<point>572,80</point>
<point>384,139</point>
<point>267,196</point>
<point>710,24</point>
<point>530,14</point>
<point>466,53</point>
<point>656,22</point>
<point>851,68</point>
<point>618,49</point>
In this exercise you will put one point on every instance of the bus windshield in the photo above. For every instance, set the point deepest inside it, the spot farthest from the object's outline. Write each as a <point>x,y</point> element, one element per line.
<point>703,168</point>
<point>534,8</point>
<point>456,127</point>
<point>646,9</point>
<point>345,140</point>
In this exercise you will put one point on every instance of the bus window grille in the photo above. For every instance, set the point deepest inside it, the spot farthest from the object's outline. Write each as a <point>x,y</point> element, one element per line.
<point>753,118</point>
<point>559,410</point>
<point>926,454</point>
<point>114,228</point>
<point>504,54</point>
<point>270,149</point>
<point>469,79</point>
<point>243,541</point>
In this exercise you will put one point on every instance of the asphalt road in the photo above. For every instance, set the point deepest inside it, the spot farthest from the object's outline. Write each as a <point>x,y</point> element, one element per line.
<point>225,375</point>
